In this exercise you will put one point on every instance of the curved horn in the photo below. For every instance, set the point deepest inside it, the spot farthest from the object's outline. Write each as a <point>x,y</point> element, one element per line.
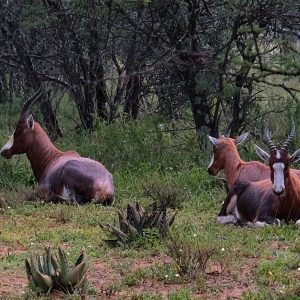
<point>267,140</point>
<point>30,101</point>
<point>287,143</point>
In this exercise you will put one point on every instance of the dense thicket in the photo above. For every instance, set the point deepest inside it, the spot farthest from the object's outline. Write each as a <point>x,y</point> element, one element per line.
<point>117,58</point>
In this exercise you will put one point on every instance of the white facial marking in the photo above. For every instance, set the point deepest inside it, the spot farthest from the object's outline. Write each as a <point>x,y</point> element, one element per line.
<point>30,122</point>
<point>278,184</point>
<point>278,154</point>
<point>9,144</point>
<point>211,162</point>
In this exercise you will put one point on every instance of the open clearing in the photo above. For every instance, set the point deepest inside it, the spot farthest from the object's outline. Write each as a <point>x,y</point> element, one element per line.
<point>248,263</point>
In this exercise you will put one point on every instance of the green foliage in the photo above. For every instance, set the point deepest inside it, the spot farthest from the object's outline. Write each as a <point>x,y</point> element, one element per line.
<point>136,145</point>
<point>33,17</point>
<point>204,83</point>
<point>48,272</point>
<point>135,220</point>
<point>13,173</point>
<point>165,191</point>
<point>181,294</point>
<point>190,256</point>
<point>263,294</point>
<point>228,90</point>
<point>271,271</point>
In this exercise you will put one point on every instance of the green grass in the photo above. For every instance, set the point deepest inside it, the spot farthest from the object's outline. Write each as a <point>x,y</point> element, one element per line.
<point>264,261</point>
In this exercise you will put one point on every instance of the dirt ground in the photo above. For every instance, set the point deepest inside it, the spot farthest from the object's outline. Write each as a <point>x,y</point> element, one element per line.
<point>218,284</point>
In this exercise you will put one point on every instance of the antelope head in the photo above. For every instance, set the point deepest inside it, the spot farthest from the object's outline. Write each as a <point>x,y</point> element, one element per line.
<point>221,147</point>
<point>278,159</point>
<point>24,134</point>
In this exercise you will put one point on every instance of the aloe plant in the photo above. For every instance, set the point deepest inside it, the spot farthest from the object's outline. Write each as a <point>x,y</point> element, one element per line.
<point>50,272</point>
<point>134,220</point>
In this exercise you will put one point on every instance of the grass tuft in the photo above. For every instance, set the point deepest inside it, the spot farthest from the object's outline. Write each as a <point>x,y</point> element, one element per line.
<point>165,191</point>
<point>190,258</point>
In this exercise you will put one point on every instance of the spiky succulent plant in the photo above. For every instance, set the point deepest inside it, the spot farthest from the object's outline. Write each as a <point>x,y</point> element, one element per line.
<point>134,220</point>
<point>52,272</point>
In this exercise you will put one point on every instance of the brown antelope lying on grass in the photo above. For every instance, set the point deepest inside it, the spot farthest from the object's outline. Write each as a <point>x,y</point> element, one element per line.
<point>268,201</point>
<point>61,176</point>
<point>226,157</point>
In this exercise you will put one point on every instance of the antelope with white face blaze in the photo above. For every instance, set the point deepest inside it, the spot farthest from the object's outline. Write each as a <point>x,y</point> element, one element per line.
<point>268,201</point>
<point>60,175</point>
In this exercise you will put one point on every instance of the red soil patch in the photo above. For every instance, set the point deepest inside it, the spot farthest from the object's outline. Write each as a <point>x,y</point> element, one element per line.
<point>100,275</point>
<point>12,284</point>
<point>9,250</point>
<point>4,218</point>
<point>219,284</point>
<point>151,261</point>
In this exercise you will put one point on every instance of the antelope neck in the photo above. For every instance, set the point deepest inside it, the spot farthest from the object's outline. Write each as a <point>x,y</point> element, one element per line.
<point>232,165</point>
<point>41,153</point>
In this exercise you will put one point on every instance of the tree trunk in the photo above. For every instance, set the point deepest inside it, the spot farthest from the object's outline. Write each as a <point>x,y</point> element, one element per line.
<point>132,97</point>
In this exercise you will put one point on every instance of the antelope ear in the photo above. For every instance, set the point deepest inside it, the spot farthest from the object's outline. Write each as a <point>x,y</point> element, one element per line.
<point>265,156</point>
<point>242,138</point>
<point>30,122</point>
<point>214,141</point>
<point>295,156</point>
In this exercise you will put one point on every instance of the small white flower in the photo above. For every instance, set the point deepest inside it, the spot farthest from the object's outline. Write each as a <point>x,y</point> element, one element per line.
<point>223,249</point>
<point>180,250</point>
<point>194,234</point>
<point>166,276</point>
<point>31,243</point>
<point>68,253</point>
<point>298,269</point>
<point>8,207</point>
<point>177,275</point>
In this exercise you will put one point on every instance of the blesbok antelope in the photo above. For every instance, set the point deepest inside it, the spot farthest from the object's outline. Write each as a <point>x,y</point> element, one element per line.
<point>60,175</point>
<point>268,201</point>
<point>226,157</point>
